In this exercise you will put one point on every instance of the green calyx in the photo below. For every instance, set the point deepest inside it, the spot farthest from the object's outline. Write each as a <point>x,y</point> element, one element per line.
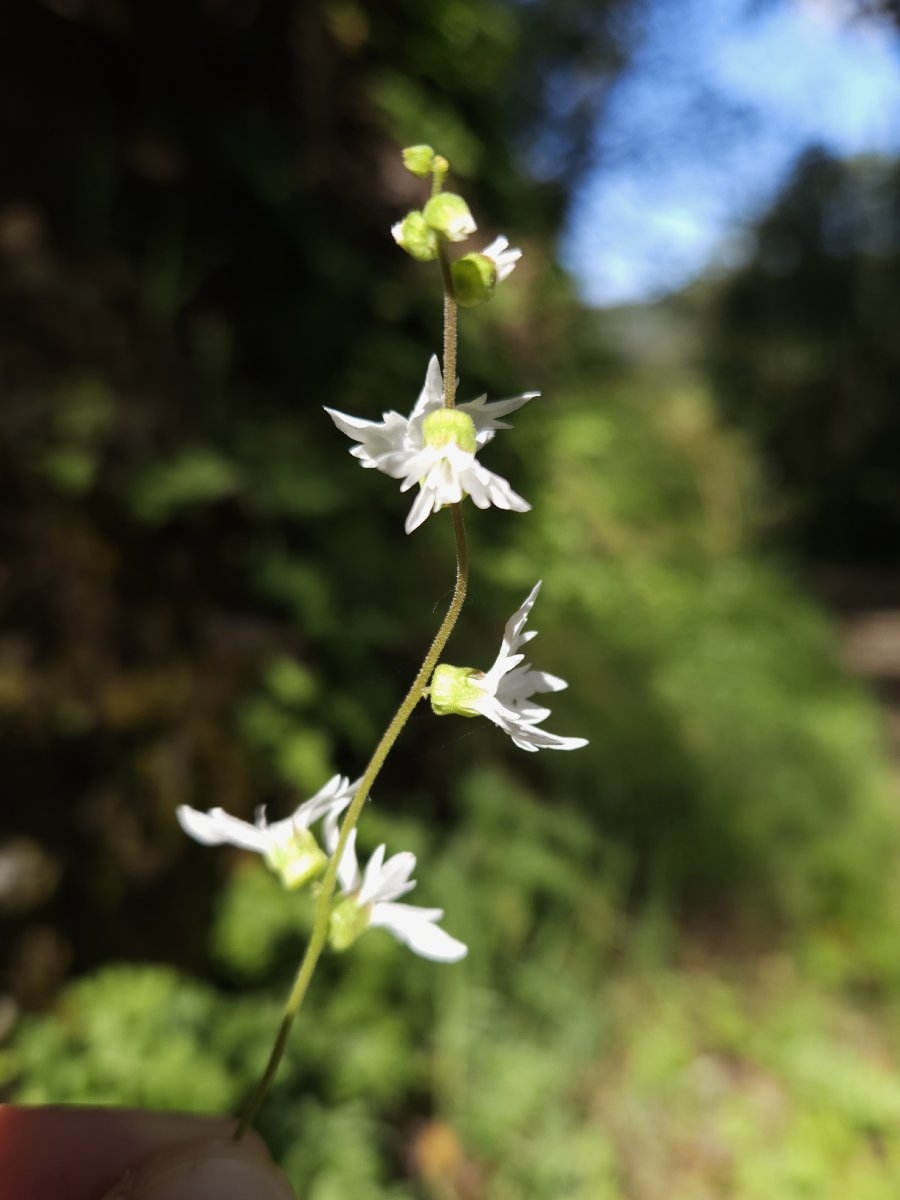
<point>444,426</point>
<point>452,691</point>
<point>449,215</point>
<point>474,278</point>
<point>414,235</point>
<point>298,860</point>
<point>347,921</point>
<point>419,160</point>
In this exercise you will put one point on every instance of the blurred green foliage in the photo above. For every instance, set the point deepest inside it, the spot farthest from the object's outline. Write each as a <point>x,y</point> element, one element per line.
<point>727,745</point>
<point>569,1055</point>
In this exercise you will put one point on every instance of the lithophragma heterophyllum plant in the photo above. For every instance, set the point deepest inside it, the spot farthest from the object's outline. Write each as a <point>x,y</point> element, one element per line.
<point>435,452</point>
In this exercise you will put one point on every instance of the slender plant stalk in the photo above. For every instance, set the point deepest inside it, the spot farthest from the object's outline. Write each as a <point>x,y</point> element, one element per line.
<point>450,311</point>
<point>319,935</point>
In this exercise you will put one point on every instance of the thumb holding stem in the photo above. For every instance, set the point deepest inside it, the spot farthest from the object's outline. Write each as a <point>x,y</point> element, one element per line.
<point>205,1170</point>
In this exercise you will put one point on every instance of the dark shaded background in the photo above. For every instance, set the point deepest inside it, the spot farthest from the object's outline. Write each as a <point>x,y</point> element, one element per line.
<point>195,200</point>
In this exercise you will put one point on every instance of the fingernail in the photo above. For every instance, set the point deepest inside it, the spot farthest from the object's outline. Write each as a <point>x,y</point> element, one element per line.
<point>218,1171</point>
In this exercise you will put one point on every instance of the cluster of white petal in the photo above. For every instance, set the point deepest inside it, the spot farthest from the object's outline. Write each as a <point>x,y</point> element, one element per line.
<point>374,891</point>
<point>397,446</point>
<point>503,256</point>
<point>218,828</point>
<point>508,687</point>
<point>378,888</point>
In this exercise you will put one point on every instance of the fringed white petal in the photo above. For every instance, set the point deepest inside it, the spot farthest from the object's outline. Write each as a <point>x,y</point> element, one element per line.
<point>418,929</point>
<point>507,689</point>
<point>219,828</point>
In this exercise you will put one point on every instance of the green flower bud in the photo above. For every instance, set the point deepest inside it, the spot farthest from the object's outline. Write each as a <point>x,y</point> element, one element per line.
<point>449,215</point>
<point>347,921</point>
<point>419,160</point>
<point>298,860</point>
<point>474,277</point>
<point>414,235</point>
<point>452,691</point>
<point>445,425</point>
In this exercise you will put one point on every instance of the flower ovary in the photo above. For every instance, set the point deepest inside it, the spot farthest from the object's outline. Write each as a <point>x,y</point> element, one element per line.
<point>446,425</point>
<point>297,861</point>
<point>452,691</point>
<point>347,921</point>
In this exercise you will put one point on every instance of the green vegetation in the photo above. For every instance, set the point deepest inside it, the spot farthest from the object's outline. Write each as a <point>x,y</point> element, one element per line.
<point>576,1052</point>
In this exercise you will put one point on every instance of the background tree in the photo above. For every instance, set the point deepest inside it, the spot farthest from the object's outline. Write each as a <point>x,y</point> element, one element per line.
<point>802,350</point>
<point>194,259</point>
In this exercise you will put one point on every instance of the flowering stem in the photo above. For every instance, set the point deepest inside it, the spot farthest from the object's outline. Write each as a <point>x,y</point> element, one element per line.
<point>439,174</point>
<point>449,352</point>
<point>450,328</point>
<point>319,935</point>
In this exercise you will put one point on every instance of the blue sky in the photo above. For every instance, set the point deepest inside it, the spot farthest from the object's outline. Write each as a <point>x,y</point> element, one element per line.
<point>703,130</point>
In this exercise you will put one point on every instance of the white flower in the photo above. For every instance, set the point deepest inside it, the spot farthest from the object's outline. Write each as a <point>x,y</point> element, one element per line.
<point>504,694</point>
<point>436,448</point>
<point>503,256</point>
<point>288,846</point>
<point>369,901</point>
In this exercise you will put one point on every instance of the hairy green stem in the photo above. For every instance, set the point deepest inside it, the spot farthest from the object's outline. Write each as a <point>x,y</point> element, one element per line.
<point>449,353</point>
<point>319,935</point>
<point>451,312</point>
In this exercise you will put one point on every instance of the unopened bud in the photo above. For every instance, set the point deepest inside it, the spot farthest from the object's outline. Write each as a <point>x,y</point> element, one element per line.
<point>474,277</point>
<point>414,235</point>
<point>449,215</point>
<point>419,160</point>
